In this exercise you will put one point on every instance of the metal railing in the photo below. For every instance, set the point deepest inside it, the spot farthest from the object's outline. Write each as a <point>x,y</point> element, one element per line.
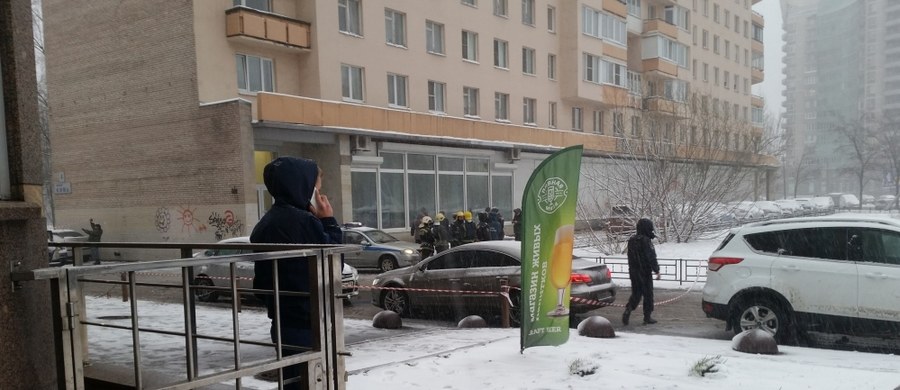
<point>676,270</point>
<point>322,365</point>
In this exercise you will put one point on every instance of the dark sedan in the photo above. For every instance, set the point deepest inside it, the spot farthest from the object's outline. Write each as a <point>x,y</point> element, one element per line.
<point>480,267</point>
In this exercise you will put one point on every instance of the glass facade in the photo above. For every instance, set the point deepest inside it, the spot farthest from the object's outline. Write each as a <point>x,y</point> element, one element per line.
<point>407,183</point>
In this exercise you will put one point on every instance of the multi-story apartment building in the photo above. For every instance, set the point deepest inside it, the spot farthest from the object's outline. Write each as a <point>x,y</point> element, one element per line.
<point>841,62</point>
<point>164,113</point>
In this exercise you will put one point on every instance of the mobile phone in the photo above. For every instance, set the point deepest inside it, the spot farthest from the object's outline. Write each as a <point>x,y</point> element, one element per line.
<point>315,195</point>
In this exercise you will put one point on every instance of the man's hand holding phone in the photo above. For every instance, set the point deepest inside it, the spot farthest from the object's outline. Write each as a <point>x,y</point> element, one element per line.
<point>319,205</point>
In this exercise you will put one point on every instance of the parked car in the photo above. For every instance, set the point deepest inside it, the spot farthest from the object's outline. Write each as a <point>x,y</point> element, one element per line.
<point>220,274</point>
<point>480,266</point>
<point>60,255</point>
<point>885,202</point>
<point>791,207</point>
<point>844,201</point>
<point>806,204</point>
<point>770,209</point>
<point>829,274</point>
<point>379,250</point>
<point>747,210</point>
<point>868,201</point>
<point>822,203</point>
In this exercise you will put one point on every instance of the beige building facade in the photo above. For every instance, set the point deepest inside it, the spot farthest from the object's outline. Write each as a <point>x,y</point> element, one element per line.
<point>163,119</point>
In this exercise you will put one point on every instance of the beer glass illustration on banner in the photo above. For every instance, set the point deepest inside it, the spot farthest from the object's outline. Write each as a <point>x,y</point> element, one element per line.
<point>561,267</point>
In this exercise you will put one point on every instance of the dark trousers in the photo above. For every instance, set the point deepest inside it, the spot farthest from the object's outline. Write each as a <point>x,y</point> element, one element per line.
<point>641,287</point>
<point>296,337</point>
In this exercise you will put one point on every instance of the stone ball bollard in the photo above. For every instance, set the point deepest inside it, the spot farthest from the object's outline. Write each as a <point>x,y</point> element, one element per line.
<point>472,321</point>
<point>755,341</point>
<point>596,327</point>
<point>387,319</point>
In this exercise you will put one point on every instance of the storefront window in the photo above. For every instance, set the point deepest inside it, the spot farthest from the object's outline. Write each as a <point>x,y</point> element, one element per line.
<point>501,190</point>
<point>421,194</point>
<point>392,200</point>
<point>365,204</point>
<point>477,193</point>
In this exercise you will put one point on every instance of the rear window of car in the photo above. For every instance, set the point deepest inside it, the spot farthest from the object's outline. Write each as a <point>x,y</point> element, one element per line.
<point>725,241</point>
<point>824,243</point>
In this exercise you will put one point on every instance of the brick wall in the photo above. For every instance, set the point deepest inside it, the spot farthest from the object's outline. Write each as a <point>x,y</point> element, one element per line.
<point>127,130</point>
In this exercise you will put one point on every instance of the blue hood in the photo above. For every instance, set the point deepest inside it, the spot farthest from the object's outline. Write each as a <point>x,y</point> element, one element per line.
<point>291,180</point>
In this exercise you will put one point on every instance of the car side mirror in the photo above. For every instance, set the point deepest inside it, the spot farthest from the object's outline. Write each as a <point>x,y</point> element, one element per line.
<point>366,243</point>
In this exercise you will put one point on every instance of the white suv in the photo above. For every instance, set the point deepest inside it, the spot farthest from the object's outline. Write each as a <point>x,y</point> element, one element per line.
<point>826,274</point>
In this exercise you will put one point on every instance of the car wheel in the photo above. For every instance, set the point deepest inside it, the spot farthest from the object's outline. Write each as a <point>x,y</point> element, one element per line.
<point>763,314</point>
<point>387,263</point>
<point>204,295</point>
<point>396,301</point>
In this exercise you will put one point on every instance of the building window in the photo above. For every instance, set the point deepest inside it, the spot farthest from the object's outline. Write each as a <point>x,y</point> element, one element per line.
<point>727,18</point>
<point>395,27</point>
<point>726,79</point>
<point>746,29</point>
<point>397,90</point>
<point>758,61</point>
<point>737,54</point>
<point>705,39</point>
<point>436,96</point>
<point>635,85</point>
<point>737,80</point>
<point>636,126</point>
<point>552,115</point>
<point>529,106</point>
<point>670,50</point>
<point>501,8</point>
<point>470,46</point>
<point>677,16</point>
<point>551,19</point>
<point>471,3</point>
<point>551,66</point>
<point>528,12</point>
<point>600,25</point>
<point>598,121</point>
<point>434,37</point>
<point>634,8</point>
<point>694,69</point>
<point>577,119</point>
<point>501,54</point>
<point>716,75</point>
<point>599,71</point>
<point>255,74</point>
<point>737,24</point>
<point>618,123</point>
<point>501,106</point>
<point>470,101</point>
<point>716,44</point>
<point>528,60</point>
<point>350,16</point>
<point>262,5</point>
<point>352,83</point>
<point>716,13</point>
<point>705,7</point>
<point>705,72</point>
<point>757,32</point>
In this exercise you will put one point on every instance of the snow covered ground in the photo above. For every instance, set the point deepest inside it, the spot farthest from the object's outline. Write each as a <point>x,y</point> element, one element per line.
<point>445,358</point>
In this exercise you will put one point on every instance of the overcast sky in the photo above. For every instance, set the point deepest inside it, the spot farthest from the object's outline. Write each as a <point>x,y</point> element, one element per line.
<point>771,87</point>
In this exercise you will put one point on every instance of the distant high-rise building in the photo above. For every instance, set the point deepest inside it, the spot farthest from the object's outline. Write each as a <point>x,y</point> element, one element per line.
<point>841,66</point>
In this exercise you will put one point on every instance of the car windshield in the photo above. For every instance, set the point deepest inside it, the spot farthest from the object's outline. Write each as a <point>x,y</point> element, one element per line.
<point>380,237</point>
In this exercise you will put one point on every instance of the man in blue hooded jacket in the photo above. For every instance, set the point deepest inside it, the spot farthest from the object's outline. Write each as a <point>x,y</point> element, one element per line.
<point>301,214</point>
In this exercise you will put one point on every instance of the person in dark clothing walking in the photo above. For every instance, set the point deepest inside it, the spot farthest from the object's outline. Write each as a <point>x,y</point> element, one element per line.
<point>441,232</point>
<point>484,231</point>
<point>301,214</point>
<point>641,263</point>
<point>517,224</point>
<point>94,236</point>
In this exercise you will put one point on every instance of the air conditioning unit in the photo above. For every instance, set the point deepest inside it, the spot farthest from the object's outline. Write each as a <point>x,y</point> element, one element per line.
<point>360,143</point>
<point>515,154</point>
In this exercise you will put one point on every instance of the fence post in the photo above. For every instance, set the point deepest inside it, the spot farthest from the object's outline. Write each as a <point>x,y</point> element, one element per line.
<point>504,303</point>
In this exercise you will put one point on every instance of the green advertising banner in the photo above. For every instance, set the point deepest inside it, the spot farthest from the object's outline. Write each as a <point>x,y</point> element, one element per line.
<point>548,235</point>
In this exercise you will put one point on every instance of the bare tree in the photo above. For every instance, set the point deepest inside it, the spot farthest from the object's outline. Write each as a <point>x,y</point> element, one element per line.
<point>679,159</point>
<point>861,144</point>
<point>888,138</point>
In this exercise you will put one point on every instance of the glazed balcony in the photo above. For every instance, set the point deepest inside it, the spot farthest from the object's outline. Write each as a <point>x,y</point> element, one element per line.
<point>616,7</point>
<point>756,75</point>
<point>660,26</point>
<point>757,101</point>
<point>660,105</point>
<point>660,67</point>
<point>257,27</point>
<point>757,18</point>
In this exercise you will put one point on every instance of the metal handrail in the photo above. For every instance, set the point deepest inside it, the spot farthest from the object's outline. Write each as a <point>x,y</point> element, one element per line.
<point>323,364</point>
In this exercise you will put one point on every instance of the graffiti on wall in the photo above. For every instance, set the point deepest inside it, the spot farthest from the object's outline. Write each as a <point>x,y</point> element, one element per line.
<point>226,225</point>
<point>189,221</point>
<point>163,219</point>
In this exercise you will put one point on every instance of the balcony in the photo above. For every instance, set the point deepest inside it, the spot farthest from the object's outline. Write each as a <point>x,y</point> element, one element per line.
<point>757,18</point>
<point>757,46</point>
<point>756,75</point>
<point>616,7</point>
<point>660,26</point>
<point>660,66</point>
<point>250,25</point>
<point>664,106</point>
<point>757,101</point>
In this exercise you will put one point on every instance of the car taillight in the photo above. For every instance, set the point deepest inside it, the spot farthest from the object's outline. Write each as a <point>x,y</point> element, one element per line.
<point>609,274</point>
<point>580,278</point>
<point>715,263</point>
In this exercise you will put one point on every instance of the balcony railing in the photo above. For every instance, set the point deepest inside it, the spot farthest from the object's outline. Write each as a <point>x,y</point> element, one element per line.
<point>242,22</point>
